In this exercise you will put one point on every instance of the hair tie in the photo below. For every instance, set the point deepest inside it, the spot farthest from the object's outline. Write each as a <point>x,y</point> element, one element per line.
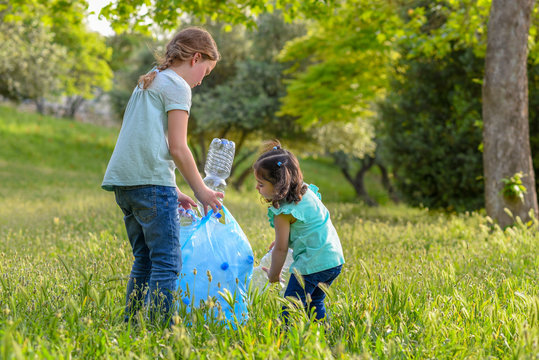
<point>279,164</point>
<point>275,148</point>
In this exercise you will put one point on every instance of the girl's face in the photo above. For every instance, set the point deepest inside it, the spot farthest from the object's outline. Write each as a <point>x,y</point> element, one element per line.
<point>264,187</point>
<point>200,69</point>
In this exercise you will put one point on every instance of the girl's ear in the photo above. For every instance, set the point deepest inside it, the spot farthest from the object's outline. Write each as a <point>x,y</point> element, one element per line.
<point>196,57</point>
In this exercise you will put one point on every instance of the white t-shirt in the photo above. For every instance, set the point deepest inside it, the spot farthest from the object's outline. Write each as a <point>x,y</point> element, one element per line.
<point>141,155</point>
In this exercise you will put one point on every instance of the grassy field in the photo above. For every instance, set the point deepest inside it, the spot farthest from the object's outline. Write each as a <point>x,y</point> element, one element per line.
<point>417,284</point>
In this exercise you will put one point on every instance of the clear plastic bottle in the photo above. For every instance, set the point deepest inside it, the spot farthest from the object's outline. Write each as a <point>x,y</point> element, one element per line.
<point>219,163</point>
<point>187,217</point>
<point>259,278</point>
<point>218,166</point>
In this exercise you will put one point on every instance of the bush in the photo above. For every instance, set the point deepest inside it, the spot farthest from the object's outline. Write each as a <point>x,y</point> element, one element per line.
<point>431,125</point>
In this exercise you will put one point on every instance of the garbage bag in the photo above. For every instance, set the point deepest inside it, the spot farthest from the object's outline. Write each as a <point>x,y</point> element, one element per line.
<point>217,259</point>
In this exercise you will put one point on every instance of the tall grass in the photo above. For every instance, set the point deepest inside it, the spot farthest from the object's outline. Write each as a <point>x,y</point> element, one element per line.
<point>417,284</point>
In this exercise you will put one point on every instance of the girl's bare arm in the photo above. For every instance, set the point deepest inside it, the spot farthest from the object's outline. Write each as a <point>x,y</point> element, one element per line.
<point>280,247</point>
<point>183,158</point>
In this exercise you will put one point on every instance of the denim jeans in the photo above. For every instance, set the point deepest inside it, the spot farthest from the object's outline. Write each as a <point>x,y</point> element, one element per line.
<point>152,222</point>
<point>318,296</point>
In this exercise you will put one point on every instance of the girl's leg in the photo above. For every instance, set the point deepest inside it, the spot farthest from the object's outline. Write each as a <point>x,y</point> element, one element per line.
<point>137,285</point>
<point>293,289</point>
<point>162,235</point>
<point>317,296</point>
<point>154,210</point>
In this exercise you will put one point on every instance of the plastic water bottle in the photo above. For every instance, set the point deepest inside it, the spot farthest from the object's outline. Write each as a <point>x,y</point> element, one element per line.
<point>219,163</point>
<point>217,168</point>
<point>259,278</point>
<point>187,217</point>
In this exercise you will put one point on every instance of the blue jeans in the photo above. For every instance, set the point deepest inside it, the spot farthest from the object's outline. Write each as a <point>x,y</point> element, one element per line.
<point>153,228</point>
<point>318,296</point>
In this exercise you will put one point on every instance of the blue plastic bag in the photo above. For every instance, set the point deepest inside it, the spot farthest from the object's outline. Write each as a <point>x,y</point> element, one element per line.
<point>220,253</point>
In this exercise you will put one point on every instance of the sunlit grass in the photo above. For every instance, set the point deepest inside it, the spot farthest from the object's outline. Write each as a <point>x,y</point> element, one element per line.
<point>417,284</point>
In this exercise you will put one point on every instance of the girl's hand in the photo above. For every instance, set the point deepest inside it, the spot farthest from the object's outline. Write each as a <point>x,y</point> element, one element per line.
<point>278,279</point>
<point>210,198</point>
<point>185,201</point>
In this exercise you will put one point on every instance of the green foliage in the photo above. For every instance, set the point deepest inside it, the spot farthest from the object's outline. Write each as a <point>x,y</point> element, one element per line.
<point>513,189</point>
<point>444,31</point>
<point>240,101</point>
<point>417,283</point>
<point>533,106</point>
<point>138,15</point>
<point>354,138</point>
<point>443,26</point>
<point>247,101</point>
<point>58,55</point>
<point>132,57</point>
<point>432,131</point>
<point>342,62</point>
<point>29,60</point>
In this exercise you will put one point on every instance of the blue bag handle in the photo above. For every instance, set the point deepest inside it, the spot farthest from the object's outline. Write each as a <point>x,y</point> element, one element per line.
<point>205,219</point>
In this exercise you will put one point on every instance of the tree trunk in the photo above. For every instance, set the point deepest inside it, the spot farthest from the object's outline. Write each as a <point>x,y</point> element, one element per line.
<point>386,183</point>
<point>73,104</point>
<point>238,146</point>
<point>40,105</point>
<point>357,181</point>
<point>505,110</point>
<point>238,182</point>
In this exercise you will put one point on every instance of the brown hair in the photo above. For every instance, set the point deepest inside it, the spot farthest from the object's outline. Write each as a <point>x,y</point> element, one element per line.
<point>281,168</point>
<point>182,47</point>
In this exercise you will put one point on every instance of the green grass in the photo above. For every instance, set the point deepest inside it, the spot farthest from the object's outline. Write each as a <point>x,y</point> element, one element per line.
<point>417,284</point>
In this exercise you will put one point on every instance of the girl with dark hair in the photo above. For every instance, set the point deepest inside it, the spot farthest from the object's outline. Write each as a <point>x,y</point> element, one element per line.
<point>301,222</point>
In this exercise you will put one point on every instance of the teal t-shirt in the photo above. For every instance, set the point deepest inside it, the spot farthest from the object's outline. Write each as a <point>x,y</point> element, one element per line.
<point>313,238</point>
<point>141,155</point>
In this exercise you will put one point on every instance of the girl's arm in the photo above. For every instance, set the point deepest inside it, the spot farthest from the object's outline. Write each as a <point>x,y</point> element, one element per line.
<point>280,247</point>
<point>183,158</point>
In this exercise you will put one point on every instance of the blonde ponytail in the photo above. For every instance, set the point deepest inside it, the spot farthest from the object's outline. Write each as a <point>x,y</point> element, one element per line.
<point>182,47</point>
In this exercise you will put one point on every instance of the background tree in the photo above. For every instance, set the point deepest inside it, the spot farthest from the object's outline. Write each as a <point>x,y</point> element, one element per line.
<point>370,37</point>
<point>81,70</point>
<point>137,14</point>
<point>341,69</point>
<point>345,143</point>
<point>133,56</point>
<point>505,113</point>
<point>246,103</point>
<point>29,61</point>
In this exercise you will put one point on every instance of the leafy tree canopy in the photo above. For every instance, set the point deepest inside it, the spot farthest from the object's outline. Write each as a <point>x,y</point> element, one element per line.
<point>140,14</point>
<point>29,60</point>
<point>84,67</point>
<point>341,64</point>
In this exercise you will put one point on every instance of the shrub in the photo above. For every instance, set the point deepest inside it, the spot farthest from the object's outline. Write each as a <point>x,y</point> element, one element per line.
<point>431,125</point>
